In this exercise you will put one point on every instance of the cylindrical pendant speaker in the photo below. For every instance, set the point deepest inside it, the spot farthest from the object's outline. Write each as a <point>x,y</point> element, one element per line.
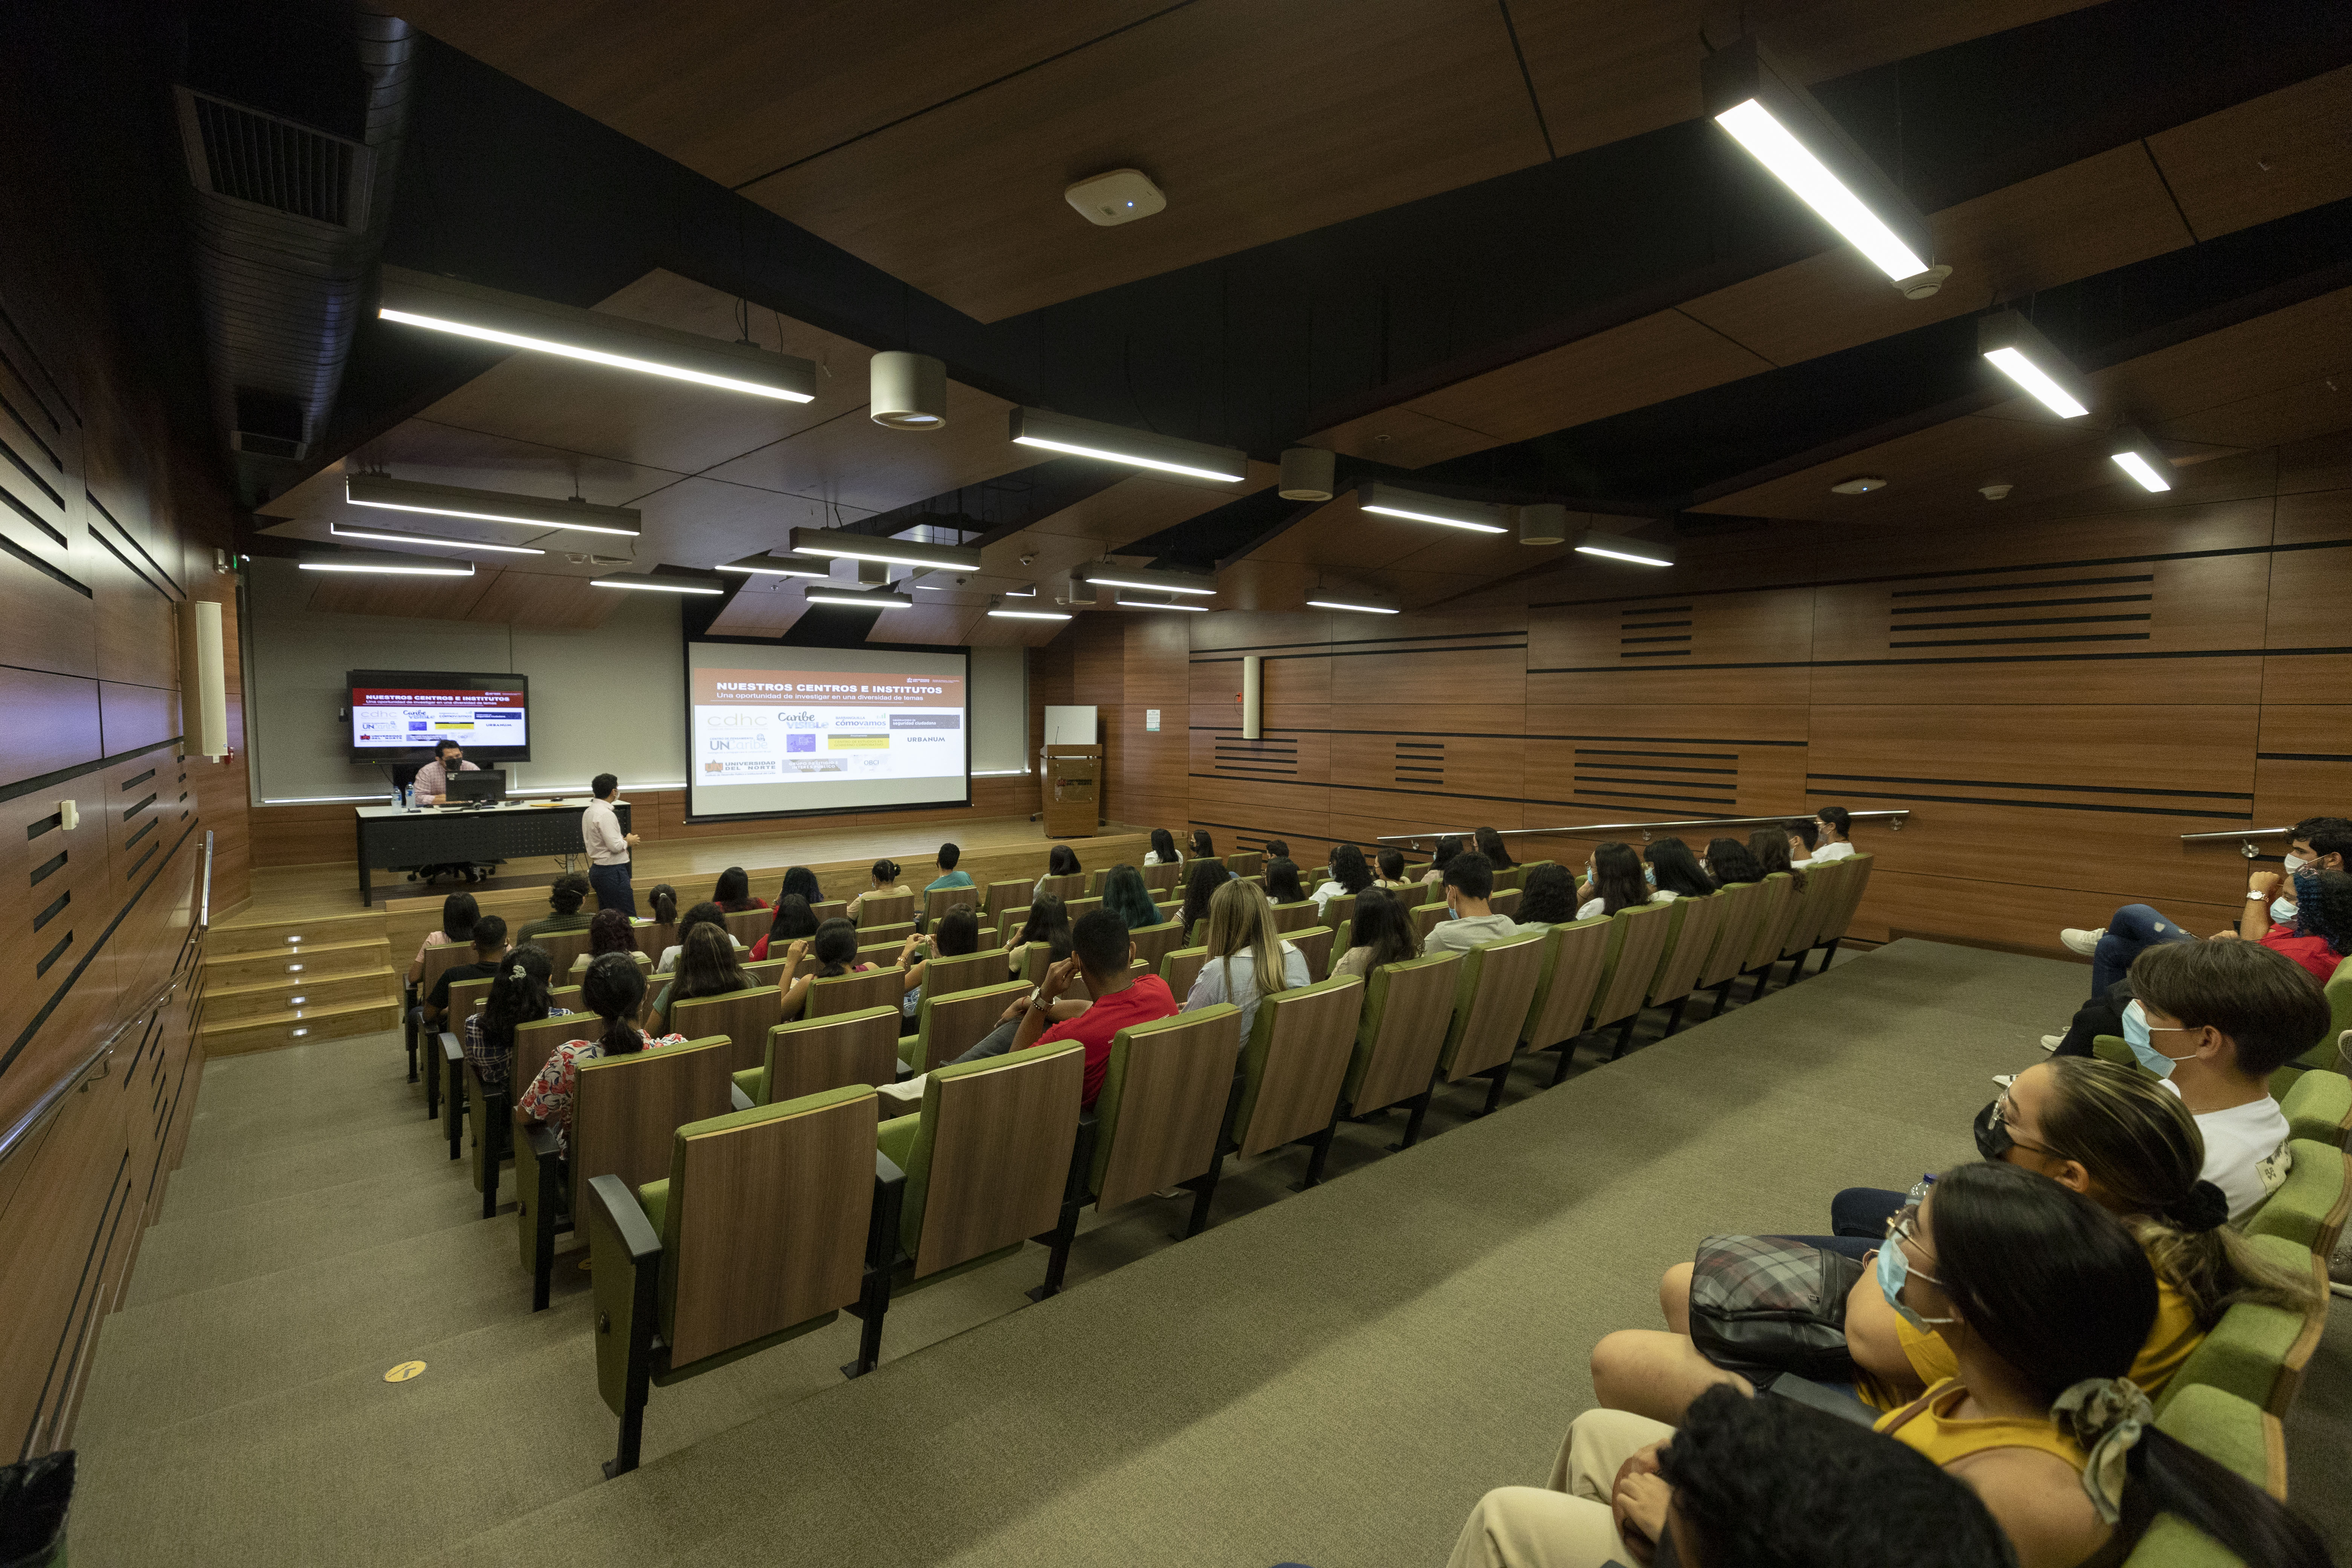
<point>1252,696</point>
<point>203,684</point>
<point>1543,523</point>
<point>906,391</point>
<point>1305,474</point>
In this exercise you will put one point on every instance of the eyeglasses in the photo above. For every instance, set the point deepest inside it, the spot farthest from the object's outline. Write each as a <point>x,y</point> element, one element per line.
<point>1905,1228</point>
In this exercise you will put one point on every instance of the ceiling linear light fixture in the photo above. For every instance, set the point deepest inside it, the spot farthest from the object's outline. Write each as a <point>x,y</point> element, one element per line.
<point>519,321</point>
<point>1362,601</point>
<point>1785,129</point>
<point>383,491</point>
<point>997,611</point>
<point>1149,579</point>
<point>907,390</point>
<point>1625,547</point>
<point>760,565</point>
<point>2018,351</point>
<point>1124,602</point>
<point>429,541</point>
<point>655,583</point>
<point>1480,517</point>
<point>390,565</point>
<point>841,544</point>
<point>2129,448</point>
<point>860,599</point>
<point>1117,443</point>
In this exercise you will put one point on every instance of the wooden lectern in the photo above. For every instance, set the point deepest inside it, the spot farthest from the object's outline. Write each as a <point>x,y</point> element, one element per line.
<point>1073,788</point>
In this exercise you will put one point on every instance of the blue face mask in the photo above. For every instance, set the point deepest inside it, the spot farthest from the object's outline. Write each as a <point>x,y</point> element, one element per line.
<point>1894,1268</point>
<point>2135,1035</point>
<point>1650,875</point>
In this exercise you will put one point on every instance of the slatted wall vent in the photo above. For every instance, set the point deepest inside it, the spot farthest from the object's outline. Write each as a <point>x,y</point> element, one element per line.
<point>2074,609</point>
<point>1421,764</point>
<point>1669,781</point>
<point>1274,757</point>
<point>276,163</point>
<point>1654,631</point>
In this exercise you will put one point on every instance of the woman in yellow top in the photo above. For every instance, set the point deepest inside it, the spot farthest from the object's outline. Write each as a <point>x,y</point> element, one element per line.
<point>2106,1131</point>
<point>2045,1298</point>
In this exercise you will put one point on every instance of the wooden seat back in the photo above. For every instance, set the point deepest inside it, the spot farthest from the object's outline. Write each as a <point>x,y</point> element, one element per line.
<point>830,908</point>
<point>813,1055</point>
<point>1815,907</point>
<point>624,1110</point>
<point>940,900</point>
<point>1425,917</point>
<point>1313,944</point>
<point>1781,902</point>
<point>885,936</point>
<point>440,960</point>
<point>885,909</point>
<point>1575,957</point>
<point>1633,960</point>
<point>1509,876</point>
<point>1295,1061</point>
<point>1294,917</point>
<point>855,993</point>
<point>1857,881</point>
<point>562,947</point>
<point>1163,878</point>
<point>1153,943</point>
<point>747,926</point>
<point>744,1016</point>
<point>1073,886</point>
<point>1506,901</point>
<point>964,972</point>
<point>1002,896</point>
<point>948,1026</point>
<point>992,1158</point>
<point>465,998</point>
<point>535,1042</point>
<point>1698,922</point>
<point>1180,966</point>
<point>1079,907</point>
<point>1496,982</point>
<point>1744,905</point>
<point>1163,1103</point>
<point>1247,863</point>
<point>1338,910</point>
<point>1401,1031</point>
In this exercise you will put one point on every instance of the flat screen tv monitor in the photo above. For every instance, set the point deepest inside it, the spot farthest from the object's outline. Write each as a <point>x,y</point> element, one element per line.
<point>479,787</point>
<point>398,714</point>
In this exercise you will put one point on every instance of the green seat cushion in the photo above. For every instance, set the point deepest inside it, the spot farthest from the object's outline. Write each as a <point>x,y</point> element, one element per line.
<point>2318,1106</point>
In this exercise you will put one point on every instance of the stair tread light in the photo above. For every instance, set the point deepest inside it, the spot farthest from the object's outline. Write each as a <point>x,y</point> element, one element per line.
<point>519,321</point>
<point>1106,575</point>
<point>869,599</point>
<point>2129,449</point>
<point>1480,517</point>
<point>661,582</point>
<point>391,565</point>
<point>1117,443</point>
<point>2018,351</point>
<point>430,541</point>
<point>765,566</point>
<point>840,543</point>
<point>1787,131</point>
<point>1625,547</point>
<point>383,491</point>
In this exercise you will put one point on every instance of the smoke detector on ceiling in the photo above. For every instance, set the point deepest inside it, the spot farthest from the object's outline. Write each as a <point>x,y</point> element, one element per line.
<point>1117,196</point>
<point>1995,492</point>
<point>1924,285</point>
<point>1860,485</point>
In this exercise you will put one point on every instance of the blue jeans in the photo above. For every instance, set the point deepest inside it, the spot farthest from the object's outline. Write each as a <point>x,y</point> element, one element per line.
<point>1862,1213</point>
<point>2132,930</point>
<point>612,885</point>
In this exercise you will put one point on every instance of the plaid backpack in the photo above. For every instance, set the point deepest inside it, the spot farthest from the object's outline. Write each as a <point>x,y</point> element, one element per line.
<point>1765,1304</point>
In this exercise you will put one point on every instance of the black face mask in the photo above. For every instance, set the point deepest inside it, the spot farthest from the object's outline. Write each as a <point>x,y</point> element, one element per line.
<point>1992,1134</point>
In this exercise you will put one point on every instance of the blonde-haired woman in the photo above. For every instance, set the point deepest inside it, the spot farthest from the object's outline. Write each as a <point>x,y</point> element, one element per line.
<point>1246,956</point>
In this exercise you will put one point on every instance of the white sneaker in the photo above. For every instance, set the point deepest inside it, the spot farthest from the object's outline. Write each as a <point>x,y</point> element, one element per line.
<point>2004,1079</point>
<point>2051,1042</point>
<point>2085,942</point>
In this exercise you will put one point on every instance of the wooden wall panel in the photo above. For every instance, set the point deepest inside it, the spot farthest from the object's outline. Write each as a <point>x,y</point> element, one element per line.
<point>2302,762</point>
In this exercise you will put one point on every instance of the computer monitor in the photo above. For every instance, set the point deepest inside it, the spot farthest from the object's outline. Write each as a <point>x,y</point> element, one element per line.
<point>481,785</point>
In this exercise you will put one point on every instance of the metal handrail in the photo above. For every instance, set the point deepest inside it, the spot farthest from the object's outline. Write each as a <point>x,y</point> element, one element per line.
<point>2244,836</point>
<point>1895,819</point>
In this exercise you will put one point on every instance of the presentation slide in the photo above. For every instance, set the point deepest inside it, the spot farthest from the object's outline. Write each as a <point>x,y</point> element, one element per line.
<point>784,729</point>
<point>392,716</point>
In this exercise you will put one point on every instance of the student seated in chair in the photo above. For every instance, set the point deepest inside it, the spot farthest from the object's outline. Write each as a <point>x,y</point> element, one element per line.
<point>1201,885</point>
<point>1489,843</point>
<point>2317,938</point>
<point>1246,958</point>
<point>1381,932</point>
<point>613,991</point>
<point>733,892</point>
<point>1048,921</point>
<point>1827,837</point>
<point>1673,871</point>
<point>1125,896</point>
<point>703,914</point>
<point>1163,850</point>
<point>1062,861</point>
<point>794,921</point>
<point>458,914</point>
<point>885,883</point>
<point>1350,877</point>
<point>662,904</point>
<point>518,995</point>
<point>1282,882</point>
<point>2317,843</point>
<point>2106,1131</point>
<point>1547,898</point>
<point>1447,848</point>
<point>1203,847</point>
<point>610,932</point>
<point>801,880</point>
<point>1392,869</point>
<point>1469,883</point>
<point>569,891</point>
<point>1727,861</point>
<point>1614,880</point>
<point>948,876</point>
<point>490,947</point>
<point>1101,949</point>
<point>829,955</point>
<point>2214,1020</point>
<point>1770,846</point>
<point>707,965</point>
<point>956,933</point>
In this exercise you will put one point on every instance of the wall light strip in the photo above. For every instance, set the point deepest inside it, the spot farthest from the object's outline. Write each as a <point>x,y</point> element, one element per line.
<point>489,506</point>
<point>519,321</point>
<point>431,540</point>
<point>839,543</point>
<point>1117,443</point>
<point>658,584</point>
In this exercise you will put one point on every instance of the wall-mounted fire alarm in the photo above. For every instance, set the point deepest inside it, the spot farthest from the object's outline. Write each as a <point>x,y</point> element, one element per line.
<point>1121,195</point>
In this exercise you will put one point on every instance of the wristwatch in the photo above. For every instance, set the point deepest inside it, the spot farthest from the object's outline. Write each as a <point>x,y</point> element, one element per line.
<point>2256,898</point>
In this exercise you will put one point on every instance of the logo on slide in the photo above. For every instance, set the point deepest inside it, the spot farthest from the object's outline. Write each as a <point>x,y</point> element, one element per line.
<point>739,743</point>
<point>802,742</point>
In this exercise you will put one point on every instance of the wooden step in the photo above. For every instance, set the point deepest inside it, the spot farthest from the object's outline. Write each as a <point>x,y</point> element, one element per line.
<point>286,993</point>
<point>298,1027</point>
<point>309,958</point>
<point>248,934</point>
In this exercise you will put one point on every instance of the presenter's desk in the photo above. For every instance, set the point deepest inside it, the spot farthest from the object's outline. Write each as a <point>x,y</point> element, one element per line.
<point>393,837</point>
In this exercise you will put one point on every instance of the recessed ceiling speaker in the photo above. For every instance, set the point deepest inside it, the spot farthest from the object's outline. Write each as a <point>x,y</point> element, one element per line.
<point>1116,196</point>
<point>1543,523</point>
<point>1860,485</point>
<point>906,391</point>
<point>1307,474</point>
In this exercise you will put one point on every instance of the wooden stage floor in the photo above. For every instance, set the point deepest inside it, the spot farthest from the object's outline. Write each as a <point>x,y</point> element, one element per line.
<point>332,888</point>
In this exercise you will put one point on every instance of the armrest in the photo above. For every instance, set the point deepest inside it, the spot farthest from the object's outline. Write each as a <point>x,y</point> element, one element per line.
<point>451,1050</point>
<point>889,1204</point>
<point>629,1223</point>
<point>540,1138</point>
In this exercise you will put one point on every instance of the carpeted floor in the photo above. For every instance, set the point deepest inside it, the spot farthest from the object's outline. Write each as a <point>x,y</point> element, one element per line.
<point>1330,1377</point>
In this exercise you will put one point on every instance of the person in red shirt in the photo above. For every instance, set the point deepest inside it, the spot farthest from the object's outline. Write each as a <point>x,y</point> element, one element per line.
<point>2322,932</point>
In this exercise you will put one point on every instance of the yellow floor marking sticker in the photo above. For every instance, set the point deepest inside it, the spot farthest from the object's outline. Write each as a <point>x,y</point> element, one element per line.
<point>405,1371</point>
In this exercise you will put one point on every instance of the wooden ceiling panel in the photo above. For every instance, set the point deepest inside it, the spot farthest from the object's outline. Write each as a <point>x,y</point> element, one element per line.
<point>536,601</point>
<point>1660,356</point>
<point>2291,413</point>
<point>738,89</point>
<point>1260,122</point>
<point>851,461</point>
<point>421,598</point>
<point>1402,438</point>
<point>1344,537</point>
<point>2282,152</point>
<point>2085,218</point>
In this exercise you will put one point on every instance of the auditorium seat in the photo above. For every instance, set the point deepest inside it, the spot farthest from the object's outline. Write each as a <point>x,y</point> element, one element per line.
<point>854,993</point>
<point>2318,1107</point>
<point>1338,910</point>
<point>761,1228</point>
<point>1782,902</point>
<point>2308,1207</point>
<point>947,1026</point>
<point>831,909</point>
<point>1247,863</point>
<point>1342,936</point>
<point>1294,917</point>
<point>1181,966</point>
<point>2259,1352</point>
<point>623,1111</point>
<point>2233,1433</point>
<point>1691,936</point>
<point>811,1056</point>
<point>1746,905</point>
<point>743,1017</point>
<point>1005,896</point>
<point>1491,995</point>
<point>1425,917</point>
<point>943,976</point>
<point>1634,949</point>
<point>1162,879</point>
<point>1165,1094</point>
<point>1313,944</point>
<point>890,935</point>
<point>879,910</point>
<point>1853,883</point>
<point>535,1041</point>
<point>1509,876</point>
<point>1155,942</point>
<point>1576,955</point>
<point>1293,1066</point>
<point>746,926</point>
<point>493,1130</point>
<point>940,900</point>
<point>1078,991</point>
<point>1073,886</point>
<point>1399,1033</point>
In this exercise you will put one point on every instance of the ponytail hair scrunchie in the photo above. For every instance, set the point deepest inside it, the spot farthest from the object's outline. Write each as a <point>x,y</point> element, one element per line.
<point>2206,1208</point>
<point>517,973</point>
<point>2106,1416</point>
